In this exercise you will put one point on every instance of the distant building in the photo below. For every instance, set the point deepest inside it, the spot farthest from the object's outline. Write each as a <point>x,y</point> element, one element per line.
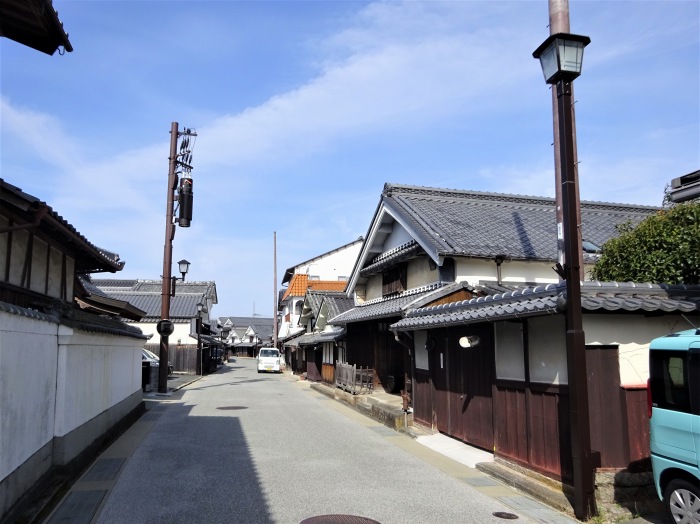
<point>247,334</point>
<point>147,296</point>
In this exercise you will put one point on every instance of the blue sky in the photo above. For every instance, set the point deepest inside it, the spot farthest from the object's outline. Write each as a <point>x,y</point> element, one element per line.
<point>304,109</point>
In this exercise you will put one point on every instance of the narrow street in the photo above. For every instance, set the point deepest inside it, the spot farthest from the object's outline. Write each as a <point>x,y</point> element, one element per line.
<point>238,446</point>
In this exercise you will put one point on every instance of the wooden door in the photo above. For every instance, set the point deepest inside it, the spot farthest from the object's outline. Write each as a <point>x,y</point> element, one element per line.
<point>462,385</point>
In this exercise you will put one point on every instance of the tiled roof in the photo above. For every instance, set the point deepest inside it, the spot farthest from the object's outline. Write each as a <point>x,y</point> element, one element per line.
<point>384,307</point>
<point>390,258</point>
<point>327,285</point>
<point>312,339</point>
<point>88,257</point>
<point>313,301</point>
<point>183,307</point>
<point>338,303</point>
<point>472,223</point>
<point>112,285</point>
<point>263,326</point>
<point>297,287</point>
<point>300,284</point>
<point>94,299</point>
<point>34,24</point>
<point>541,300</point>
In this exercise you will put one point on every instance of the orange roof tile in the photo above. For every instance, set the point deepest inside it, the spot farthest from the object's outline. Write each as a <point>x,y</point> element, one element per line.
<point>301,283</point>
<point>327,285</point>
<point>297,287</point>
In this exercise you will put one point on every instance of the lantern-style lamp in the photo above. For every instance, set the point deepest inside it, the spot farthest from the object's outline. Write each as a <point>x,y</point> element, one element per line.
<point>561,56</point>
<point>184,267</point>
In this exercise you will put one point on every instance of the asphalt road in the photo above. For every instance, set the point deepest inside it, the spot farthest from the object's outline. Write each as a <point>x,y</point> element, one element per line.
<point>243,447</point>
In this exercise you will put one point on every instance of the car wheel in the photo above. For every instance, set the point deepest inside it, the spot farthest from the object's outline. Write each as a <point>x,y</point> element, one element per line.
<point>682,501</point>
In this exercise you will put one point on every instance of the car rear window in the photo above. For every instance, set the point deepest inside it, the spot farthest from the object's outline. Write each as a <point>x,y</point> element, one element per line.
<point>269,353</point>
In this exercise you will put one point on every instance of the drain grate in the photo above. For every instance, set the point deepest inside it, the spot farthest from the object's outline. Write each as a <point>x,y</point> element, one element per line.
<point>150,417</point>
<point>78,507</point>
<point>338,519</point>
<point>232,408</point>
<point>505,515</point>
<point>104,469</point>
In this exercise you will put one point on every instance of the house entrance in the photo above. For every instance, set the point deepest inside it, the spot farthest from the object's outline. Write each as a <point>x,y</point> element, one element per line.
<point>462,378</point>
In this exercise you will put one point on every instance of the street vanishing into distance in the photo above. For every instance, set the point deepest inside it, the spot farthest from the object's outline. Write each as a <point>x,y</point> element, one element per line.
<point>239,446</point>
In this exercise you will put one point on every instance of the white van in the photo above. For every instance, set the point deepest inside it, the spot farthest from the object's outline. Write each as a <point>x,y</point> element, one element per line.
<point>269,360</point>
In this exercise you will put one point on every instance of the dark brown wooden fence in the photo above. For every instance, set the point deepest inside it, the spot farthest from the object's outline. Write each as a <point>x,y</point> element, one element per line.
<point>354,380</point>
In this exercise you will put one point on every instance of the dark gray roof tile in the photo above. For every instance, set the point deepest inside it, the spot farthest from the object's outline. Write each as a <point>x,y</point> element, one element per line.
<point>608,296</point>
<point>459,222</point>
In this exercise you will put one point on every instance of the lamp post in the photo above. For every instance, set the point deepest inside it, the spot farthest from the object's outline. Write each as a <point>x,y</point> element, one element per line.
<point>200,309</point>
<point>561,56</point>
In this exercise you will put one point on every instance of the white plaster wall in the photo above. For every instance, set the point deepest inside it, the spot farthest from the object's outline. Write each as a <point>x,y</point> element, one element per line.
<point>181,332</point>
<point>510,353</point>
<point>473,270</point>
<point>95,372</point>
<point>28,365</point>
<point>418,273</point>
<point>422,356</point>
<point>547,349</point>
<point>374,287</point>
<point>333,265</point>
<point>632,334</point>
<point>397,237</point>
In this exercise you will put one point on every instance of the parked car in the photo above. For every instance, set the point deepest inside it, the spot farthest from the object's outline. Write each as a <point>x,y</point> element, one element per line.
<point>269,360</point>
<point>674,422</point>
<point>149,356</point>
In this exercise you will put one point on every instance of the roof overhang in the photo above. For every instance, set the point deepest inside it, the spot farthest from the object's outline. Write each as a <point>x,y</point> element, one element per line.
<point>33,23</point>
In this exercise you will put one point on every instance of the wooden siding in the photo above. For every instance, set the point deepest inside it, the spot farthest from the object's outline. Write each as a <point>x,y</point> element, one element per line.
<point>328,373</point>
<point>512,437</point>
<point>462,403</point>
<point>532,427</point>
<point>605,397</point>
<point>635,403</point>
<point>314,363</point>
<point>619,421</point>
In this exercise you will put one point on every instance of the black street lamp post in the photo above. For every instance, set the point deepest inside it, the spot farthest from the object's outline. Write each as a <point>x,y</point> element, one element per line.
<point>561,56</point>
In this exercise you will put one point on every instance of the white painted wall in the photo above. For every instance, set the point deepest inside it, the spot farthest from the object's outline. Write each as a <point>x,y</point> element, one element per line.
<point>28,362</point>
<point>422,356</point>
<point>95,372</point>
<point>472,270</point>
<point>547,349</point>
<point>332,265</point>
<point>54,380</point>
<point>547,345</point>
<point>397,237</point>
<point>181,333</point>
<point>418,273</point>
<point>633,334</point>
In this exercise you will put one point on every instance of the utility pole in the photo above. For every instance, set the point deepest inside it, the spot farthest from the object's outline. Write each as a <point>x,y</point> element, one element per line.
<point>274,290</point>
<point>181,161</point>
<point>167,261</point>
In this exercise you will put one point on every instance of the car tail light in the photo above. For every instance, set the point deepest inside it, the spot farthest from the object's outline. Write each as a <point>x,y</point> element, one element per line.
<point>649,398</point>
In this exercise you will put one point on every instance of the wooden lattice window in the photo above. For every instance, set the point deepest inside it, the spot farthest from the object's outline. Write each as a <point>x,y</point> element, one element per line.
<point>394,280</point>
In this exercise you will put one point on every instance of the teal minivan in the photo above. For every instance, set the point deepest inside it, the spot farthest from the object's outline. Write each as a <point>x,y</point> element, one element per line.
<point>674,422</point>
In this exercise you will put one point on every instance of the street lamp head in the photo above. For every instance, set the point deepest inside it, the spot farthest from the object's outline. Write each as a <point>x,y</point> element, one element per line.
<point>200,307</point>
<point>561,56</point>
<point>184,267</point>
